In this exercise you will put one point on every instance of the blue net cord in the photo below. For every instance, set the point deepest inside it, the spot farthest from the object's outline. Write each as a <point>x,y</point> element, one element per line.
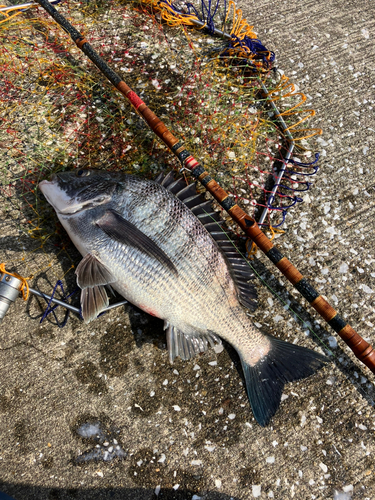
<point>287,177</point>
<point>283,214</point>
<point>207,16</point>
<point>288,173</point>
<point>50,309</point>
<point>296,190</point>
<point>254,46</point>
<point>294,200</point>
<point>208,11</point>
<point>305,174</point>
<point>300,164</point>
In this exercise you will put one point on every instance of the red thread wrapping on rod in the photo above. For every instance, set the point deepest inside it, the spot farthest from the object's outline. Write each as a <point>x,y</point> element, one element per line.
<point>134,99</point>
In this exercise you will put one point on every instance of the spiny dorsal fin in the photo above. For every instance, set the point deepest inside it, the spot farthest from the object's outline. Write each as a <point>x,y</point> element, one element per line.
<point>164,180</point>
<point>239,266</point>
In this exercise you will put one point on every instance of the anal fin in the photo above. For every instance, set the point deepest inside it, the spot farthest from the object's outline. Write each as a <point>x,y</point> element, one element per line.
<point>187,346</point>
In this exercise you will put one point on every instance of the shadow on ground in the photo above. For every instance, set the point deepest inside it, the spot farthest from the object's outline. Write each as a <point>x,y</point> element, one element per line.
<point>21,492</point>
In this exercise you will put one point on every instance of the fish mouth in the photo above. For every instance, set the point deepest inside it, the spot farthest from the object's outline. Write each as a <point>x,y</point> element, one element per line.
<point>43,186</point>
<point>76,209</point>
<point>44,183</point>
<point>62,203</point>
<point>57,198</point>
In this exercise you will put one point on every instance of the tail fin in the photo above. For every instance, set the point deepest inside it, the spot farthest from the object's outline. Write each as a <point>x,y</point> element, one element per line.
<point>265,381</point>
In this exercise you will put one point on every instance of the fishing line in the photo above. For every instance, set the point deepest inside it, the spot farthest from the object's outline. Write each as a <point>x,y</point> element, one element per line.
<point>303,323</point>
<point>287,306</point>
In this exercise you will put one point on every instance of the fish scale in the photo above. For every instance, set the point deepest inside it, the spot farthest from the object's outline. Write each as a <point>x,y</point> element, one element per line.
<point>140,237</point>
<point>195,274</point>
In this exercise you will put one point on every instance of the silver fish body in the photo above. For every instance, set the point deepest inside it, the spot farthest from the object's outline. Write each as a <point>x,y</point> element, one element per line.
<point>138,237</point>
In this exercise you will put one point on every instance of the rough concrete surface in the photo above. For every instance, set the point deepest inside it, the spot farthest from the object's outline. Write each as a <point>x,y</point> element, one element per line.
<point>187,429</point>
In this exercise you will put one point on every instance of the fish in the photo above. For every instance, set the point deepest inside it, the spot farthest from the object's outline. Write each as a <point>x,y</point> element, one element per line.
<point>162,247</point>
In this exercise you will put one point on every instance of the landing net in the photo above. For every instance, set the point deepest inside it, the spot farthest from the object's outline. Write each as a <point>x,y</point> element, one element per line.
<point>58,112</point>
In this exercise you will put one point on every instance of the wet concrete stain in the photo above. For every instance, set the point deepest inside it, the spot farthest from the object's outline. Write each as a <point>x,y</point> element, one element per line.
<point>9,399</point>
<point>145,402</point>
<point>145,468</point>
<point>138,365</point>
<point>249,475</point>
<point>23,430</point>
<point>5,403</point>
<point>44,333</point>
<point>88,374</point>
<point>115,345</point>
<point>47,463</point>
<point>70,349</point>
<point>193,386</point>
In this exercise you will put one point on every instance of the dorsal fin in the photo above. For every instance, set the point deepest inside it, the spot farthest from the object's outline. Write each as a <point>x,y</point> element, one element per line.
<point>176,186</point>
<point>238,265</point>
<point>165,180</point>
<point>187,192</point>
<point>203,208</point>
<point>206,218</point>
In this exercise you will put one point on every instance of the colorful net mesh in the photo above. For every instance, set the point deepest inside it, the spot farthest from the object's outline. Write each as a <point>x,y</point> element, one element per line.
<point>200,68</point>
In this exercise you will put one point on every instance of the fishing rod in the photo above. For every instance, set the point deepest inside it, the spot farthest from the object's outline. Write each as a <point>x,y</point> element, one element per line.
<point>362,349</point>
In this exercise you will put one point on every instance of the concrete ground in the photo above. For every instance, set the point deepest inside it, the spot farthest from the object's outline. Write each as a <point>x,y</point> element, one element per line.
<point>187,430</point>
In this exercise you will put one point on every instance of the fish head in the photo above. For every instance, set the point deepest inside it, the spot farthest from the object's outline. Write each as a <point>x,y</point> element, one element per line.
<point>72,193</point>
<point>80,199</point>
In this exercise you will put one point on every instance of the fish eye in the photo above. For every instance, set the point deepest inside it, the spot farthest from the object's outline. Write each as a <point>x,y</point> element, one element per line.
<point>83,173</point>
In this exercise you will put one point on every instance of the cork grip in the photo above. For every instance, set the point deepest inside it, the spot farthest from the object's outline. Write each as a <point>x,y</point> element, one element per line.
<point>217,191</point>
<point>289,271</point>
<point>325,309</point>
<point>362,349</point>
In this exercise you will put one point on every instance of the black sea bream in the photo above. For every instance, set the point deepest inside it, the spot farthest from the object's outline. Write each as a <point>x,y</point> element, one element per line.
<point>140,238</point>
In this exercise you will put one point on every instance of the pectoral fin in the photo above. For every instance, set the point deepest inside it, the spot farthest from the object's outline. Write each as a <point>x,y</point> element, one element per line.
<point>187,346</point>
<point>90,272</point>
<point>123,231</point>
